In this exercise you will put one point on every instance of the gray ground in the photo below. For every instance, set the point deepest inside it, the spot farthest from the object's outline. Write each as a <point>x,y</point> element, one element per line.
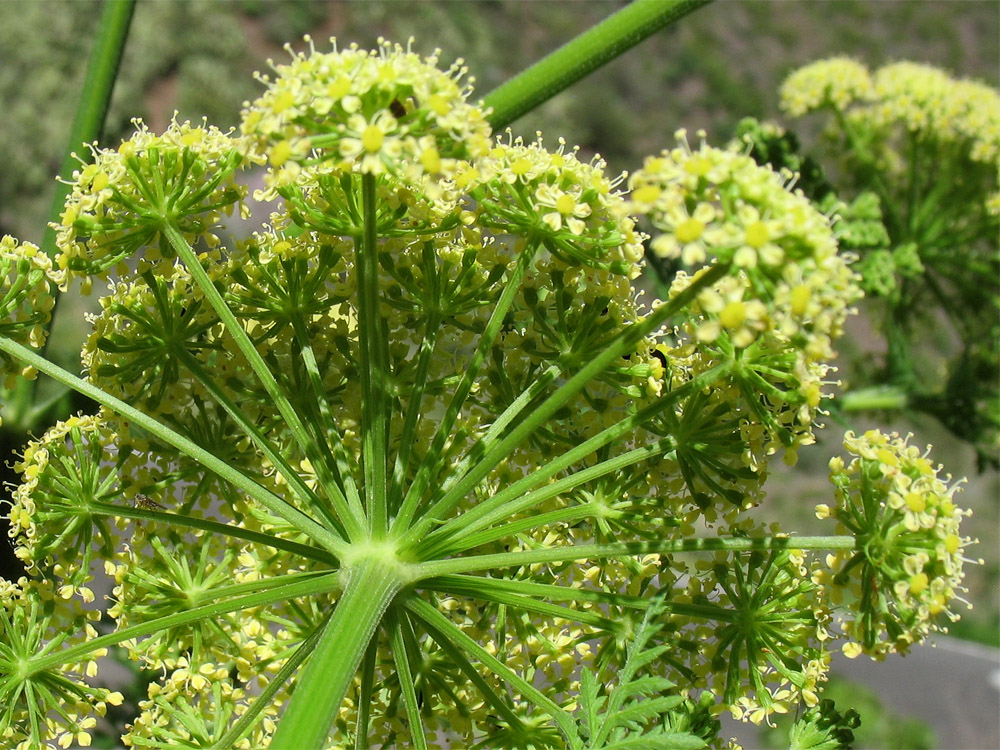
<point>953,686</point>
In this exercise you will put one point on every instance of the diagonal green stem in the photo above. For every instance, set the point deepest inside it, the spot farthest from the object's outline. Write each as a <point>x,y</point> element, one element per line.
<point>581,56</point>
<point>406,680</point>
<point>519,496</point>
<point>485,689</point>
<point>269,500</point>
<point>621,344</point>
<point>88,125</point>
<point>276,589</point>
<point>335,470</point>
<point>546,590</point>
<point>276,683</point>
<point>176,520</point>
<point>414,495</point>
<point>448,629</point>
<point>291,477</point>
<point>483,588</point>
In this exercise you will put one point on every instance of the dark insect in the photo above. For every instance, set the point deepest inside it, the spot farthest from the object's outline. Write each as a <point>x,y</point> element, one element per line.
<point>397,109</point>
<point>660,356</point>
<point>146,503</point>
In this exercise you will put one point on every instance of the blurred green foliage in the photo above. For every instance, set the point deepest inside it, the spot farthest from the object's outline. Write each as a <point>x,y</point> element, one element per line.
<point>880,728</point>
<point>722,63</point>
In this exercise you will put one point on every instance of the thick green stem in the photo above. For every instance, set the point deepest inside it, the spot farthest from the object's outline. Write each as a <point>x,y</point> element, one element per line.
<point>95,96</point>
<point>373,582</point>
<point>581,56</point>
<point>88,125</point>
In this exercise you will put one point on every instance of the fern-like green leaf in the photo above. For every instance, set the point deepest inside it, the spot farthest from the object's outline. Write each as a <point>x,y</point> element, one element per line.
<point>635,713</point>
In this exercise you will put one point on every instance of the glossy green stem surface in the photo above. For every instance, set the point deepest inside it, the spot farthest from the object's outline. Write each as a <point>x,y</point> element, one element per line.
<point>373,582</point>
<point>583,55</point>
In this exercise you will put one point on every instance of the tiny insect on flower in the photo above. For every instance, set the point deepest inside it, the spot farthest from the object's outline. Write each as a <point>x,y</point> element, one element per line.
<point>145,503</point>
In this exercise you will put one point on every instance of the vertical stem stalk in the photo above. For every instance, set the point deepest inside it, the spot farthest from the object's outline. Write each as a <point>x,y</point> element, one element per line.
<point>95,96</point>
<point>374,363</point>
<point>330,671</point>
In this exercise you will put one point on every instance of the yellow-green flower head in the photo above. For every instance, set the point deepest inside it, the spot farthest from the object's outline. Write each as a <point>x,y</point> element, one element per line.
<point>26,302</point>
<point>788,292</point>
<point>47,706</point>
<point>119,204</point>
<point>928,102</point>
<point>55,513</point>
<point>765,652</point>
<point>367,111</point>
<point>195,708</point>
<point>718,204</point>
<point>906,569</point>
<point>572,207</point>
<point>145,329</point>
<point>837,82</point>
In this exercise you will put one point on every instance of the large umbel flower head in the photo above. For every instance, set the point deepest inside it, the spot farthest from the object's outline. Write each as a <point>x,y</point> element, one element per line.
<point>428,388</point>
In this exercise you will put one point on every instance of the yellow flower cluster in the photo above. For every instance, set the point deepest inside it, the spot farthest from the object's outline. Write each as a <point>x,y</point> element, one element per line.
<point>928,102</point>
<point>836,82</point>
<point>786,277</point>
<point>504,270</point>
<point>197,706</point>
<point>120,202</point>
<point>56,705</point>
<point>765,652</point>
<point>906,570</point>
<point>788,291</point>
<point>366,111</point>
<point>26,303</point>
<point>51,523</point>
<point>573,205</point>
<point>921,101</point>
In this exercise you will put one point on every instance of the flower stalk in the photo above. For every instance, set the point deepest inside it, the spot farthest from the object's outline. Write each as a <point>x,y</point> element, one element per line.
<point>372,582</point>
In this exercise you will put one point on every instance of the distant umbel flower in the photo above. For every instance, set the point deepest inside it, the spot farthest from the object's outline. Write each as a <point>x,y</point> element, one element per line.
<point>905,573</point>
